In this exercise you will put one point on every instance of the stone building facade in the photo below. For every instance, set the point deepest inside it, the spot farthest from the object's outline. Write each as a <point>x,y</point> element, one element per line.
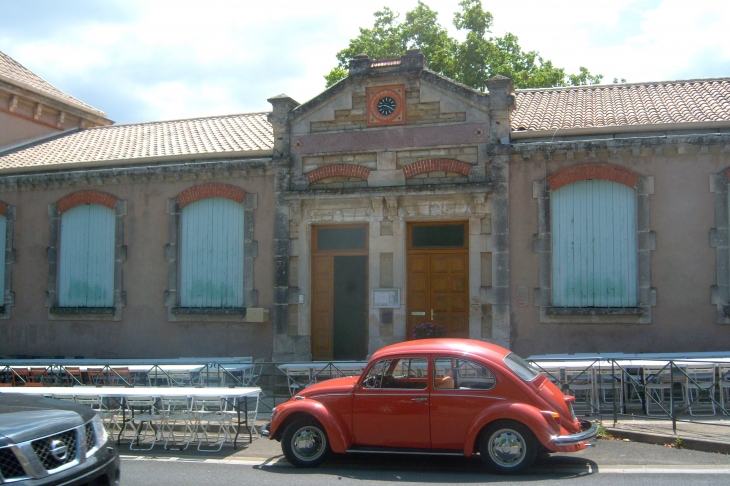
<point>131,301</point>
<point>418,173</point>
<point>563,220</point>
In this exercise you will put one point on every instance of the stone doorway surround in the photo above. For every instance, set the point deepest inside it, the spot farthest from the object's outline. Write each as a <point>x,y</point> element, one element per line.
<point>387,217</point>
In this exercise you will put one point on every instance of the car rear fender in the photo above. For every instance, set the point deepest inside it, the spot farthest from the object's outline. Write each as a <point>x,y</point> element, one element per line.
<point>333,424</point>
<point>519,412</point>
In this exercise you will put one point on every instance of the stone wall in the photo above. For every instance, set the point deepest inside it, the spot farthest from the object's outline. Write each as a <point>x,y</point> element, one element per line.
<point>145,329</point>
<point>417,113</point>
<point>682,234</point>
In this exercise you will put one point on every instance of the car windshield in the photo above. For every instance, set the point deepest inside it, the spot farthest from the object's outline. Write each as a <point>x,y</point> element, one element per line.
<point>522,368</point>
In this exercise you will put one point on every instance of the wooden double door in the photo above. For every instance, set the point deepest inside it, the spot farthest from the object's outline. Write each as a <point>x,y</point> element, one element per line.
<point>438,278</point>
<point>339,293</point>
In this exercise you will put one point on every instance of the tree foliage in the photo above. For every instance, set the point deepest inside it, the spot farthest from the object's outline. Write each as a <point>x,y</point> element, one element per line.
<point>472,61</point>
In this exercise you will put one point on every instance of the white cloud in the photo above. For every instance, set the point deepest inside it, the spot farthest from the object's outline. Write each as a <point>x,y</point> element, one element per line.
<point>169,59</point>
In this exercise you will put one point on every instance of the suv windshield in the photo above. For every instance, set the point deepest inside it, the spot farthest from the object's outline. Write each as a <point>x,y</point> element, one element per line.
<point>522,368</point>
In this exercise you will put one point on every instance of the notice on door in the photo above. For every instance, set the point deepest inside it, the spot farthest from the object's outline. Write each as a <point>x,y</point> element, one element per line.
<point>386,298</point>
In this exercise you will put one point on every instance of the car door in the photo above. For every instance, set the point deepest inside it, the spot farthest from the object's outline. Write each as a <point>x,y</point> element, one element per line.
<point>462,388</point>
<point>390,406</point>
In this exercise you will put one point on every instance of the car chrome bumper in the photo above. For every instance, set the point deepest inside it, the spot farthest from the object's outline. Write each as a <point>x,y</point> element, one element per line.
<point>265,429</point>
<point>590,430</point>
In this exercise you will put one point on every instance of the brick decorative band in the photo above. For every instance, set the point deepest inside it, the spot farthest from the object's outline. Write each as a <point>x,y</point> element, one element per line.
<point>593,171</point>
<point>210,190</point>
<point>336,170</point>
<point>430,165</point>
<point>86,197</point>
<point>3,208</point>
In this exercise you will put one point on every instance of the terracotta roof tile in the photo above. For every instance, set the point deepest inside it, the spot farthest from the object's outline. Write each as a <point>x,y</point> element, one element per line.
<point>15,73</point>
<point>703,100</point>
<point>218,135</point>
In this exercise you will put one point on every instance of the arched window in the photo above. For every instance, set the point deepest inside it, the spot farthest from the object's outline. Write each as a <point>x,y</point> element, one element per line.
<point>594,248</point>
<point>212,254</point>
<point>86,259</point>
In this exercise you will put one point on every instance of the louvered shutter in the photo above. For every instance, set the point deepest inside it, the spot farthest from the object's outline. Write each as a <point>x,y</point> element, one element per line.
<point>211,269</point>
<point>86,273</point>
<point>593,225</point>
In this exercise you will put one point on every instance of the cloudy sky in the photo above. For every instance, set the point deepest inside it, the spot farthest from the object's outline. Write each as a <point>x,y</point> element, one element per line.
<point>143,60</point>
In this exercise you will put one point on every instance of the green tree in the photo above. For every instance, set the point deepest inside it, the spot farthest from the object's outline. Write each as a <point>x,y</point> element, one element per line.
<point>473,61</point>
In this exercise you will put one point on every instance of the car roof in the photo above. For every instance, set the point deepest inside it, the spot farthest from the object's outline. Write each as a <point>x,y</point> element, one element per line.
<point>444,345</point>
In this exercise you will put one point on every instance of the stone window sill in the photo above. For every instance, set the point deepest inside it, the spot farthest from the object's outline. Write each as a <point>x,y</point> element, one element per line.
<point>209,311</point>
<point>73,313</point>
<point>594,311</point>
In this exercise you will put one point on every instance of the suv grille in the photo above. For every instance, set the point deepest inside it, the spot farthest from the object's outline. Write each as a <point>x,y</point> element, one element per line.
<point>56,450</point>
<point>10,467</point>
<point>90,438</point>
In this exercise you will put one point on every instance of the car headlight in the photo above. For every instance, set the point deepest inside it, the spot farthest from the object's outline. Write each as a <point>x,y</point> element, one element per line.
<point>99,432</point>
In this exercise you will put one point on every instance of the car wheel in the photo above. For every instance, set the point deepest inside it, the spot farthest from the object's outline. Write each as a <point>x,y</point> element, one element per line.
<point>304,443</point>
<point>508,447</point>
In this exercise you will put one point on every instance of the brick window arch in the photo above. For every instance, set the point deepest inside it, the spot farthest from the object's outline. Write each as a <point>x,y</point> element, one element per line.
<point>584,172</point>
<point>338,170</point>
<point>86,197</point>
<point>431,165</point>
<point>203,191</point>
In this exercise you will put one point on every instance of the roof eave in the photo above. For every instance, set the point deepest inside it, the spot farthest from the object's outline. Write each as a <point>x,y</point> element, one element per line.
<point>656,127</point>
<point>248,154</point>
<point>79,106</point>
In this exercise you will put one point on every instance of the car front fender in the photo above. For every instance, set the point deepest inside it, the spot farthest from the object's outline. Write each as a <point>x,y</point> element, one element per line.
<point>519,412</point>
<point>334,425</point>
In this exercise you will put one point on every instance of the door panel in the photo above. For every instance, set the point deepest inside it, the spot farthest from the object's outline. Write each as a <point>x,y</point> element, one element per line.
<point>462,390</point>
<point>391,408</point>
<point>323,272</point>
<point>437,287</point>
<point>350,308</point>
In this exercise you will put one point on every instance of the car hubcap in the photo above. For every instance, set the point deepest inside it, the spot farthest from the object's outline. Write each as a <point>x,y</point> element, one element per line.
<point>507,448</point>
<point>308,443</point>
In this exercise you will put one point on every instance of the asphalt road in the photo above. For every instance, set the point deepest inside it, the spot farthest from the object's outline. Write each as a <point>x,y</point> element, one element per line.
<point>611,462</point>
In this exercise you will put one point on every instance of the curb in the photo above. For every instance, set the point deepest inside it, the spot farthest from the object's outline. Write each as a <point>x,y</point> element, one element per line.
<point>703,445</point>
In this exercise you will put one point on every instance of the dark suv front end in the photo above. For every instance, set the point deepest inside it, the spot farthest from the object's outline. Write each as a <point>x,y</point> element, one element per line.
<point>52,442</point>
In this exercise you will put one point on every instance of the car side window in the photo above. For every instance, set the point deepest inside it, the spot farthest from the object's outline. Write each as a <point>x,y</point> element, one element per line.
<point>403,373</point>
<point>461,374</point>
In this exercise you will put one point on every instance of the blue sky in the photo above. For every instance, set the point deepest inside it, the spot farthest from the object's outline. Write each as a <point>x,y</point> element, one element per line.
<point>159,60</point>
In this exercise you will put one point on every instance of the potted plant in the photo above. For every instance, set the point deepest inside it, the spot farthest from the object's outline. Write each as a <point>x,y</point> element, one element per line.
<point>427,330</point>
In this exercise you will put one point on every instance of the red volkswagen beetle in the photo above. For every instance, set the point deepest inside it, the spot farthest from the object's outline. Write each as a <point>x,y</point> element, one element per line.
<point>434,396</point>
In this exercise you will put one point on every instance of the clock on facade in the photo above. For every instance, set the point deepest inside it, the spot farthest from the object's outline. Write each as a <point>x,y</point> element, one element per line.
<point>386,105</point>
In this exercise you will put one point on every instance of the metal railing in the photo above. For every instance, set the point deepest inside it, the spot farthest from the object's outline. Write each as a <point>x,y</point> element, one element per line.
<point>279,381</point>
<point>671,387</point>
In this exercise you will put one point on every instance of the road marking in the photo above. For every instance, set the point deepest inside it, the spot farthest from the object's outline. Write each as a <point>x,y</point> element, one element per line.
<point>249,461</point>
<point>636,469</point>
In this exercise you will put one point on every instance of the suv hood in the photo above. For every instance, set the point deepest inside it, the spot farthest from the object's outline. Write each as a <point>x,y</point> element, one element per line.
<point>25,418</point>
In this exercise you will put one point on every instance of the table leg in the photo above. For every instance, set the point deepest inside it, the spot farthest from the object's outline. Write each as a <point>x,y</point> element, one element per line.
<point>238,425</point>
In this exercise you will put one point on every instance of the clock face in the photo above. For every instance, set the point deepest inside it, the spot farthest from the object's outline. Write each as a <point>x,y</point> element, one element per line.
<point>386,105</point>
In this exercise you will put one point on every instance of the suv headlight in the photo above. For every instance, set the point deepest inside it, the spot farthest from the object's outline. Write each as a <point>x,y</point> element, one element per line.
<point>99,432</point>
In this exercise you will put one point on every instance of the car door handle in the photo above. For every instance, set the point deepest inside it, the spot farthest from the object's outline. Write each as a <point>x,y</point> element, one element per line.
<point>419,399</point>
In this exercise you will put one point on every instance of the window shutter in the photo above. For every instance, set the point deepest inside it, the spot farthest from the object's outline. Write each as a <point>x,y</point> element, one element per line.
<point>3,234</point>
<point>211,270</point>
<point>86,274</point>
<point>593,225</point>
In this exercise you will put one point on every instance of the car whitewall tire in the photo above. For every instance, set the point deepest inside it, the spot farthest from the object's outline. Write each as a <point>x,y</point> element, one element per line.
<point>508,447</point>
<point>305,443</point>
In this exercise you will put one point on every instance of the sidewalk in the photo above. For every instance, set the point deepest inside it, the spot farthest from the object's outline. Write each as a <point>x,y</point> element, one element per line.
<point>707,434</point>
